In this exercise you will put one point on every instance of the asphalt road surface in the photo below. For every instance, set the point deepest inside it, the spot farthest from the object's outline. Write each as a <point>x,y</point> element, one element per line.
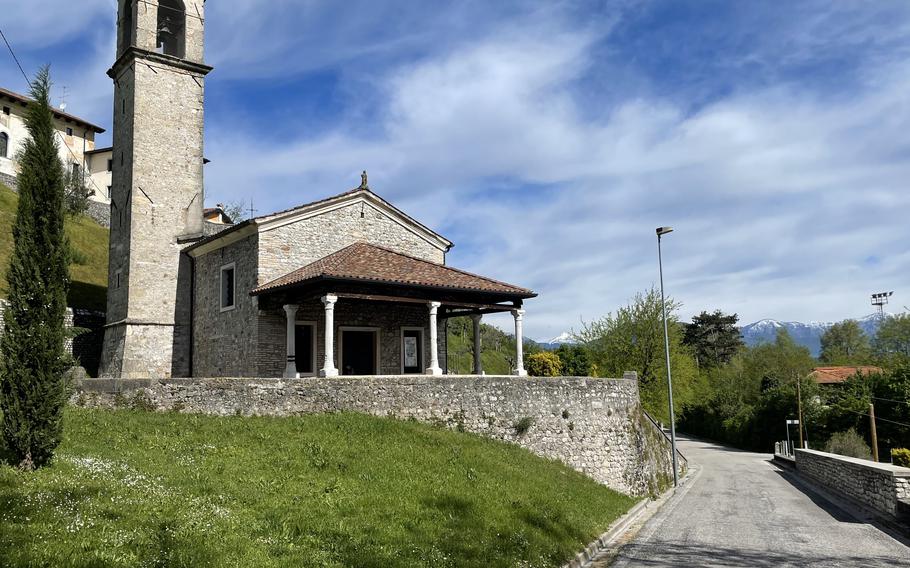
<point>739,509</point>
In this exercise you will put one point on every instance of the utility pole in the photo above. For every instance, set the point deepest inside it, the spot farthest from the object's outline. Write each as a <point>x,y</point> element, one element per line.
<point>874,434</point>
<point>799,406</point>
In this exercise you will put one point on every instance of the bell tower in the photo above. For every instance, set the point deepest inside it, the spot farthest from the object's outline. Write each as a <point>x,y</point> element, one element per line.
<point>157,189</point>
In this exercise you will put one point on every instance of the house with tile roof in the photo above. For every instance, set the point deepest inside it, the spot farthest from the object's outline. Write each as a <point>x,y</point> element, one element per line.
<point>837,375</point>
<point>346,285</point>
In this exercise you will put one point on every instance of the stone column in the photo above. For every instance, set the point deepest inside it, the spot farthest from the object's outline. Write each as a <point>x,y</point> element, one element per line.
<point>433,369</point>
<point>519,345</point>
<point>290,370</point>
<point>478,362</point>
<point>328,365</point>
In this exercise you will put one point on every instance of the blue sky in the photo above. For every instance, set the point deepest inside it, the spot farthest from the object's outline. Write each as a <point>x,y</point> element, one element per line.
<point>549,139</point>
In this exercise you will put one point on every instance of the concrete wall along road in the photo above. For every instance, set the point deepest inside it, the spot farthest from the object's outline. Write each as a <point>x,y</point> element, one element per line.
<point>595,426</point>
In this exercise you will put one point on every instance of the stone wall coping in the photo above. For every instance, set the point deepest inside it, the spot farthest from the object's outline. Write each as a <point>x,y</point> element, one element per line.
<point>117,385</point>
<point>887,468</point>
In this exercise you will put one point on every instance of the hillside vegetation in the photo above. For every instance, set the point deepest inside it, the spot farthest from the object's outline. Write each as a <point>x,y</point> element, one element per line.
<point>497,354</point>
<point>134,488</point>
<point>89,242</point>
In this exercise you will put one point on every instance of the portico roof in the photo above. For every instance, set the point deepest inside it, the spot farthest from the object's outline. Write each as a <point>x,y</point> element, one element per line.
<point>363,262</point>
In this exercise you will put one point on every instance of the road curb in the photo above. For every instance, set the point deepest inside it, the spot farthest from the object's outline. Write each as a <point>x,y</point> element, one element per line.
<point>646,507</point>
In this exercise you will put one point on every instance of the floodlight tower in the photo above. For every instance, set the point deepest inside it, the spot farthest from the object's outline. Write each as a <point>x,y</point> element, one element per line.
<point>880,300</point>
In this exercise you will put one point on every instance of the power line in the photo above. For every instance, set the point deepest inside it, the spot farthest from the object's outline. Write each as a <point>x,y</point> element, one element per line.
<point>866,414</point>
<point>16,59</point>
<point>891,400</point>
<point>60,136</point>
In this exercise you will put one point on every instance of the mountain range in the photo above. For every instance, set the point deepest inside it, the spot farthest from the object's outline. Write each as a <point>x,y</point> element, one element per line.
<point>806,334</point>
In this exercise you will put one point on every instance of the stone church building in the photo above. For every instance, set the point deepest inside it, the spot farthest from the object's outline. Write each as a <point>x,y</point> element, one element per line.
<point>347,285</point>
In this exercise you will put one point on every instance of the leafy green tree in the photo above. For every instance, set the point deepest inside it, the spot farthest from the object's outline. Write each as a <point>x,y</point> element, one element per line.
<point>713,338</point>
<point>575,361</point>
<point>544,364</point>
<point>32,385</point>
<point>892,342</point>
<point>632,339</point>
<point>845,343</point>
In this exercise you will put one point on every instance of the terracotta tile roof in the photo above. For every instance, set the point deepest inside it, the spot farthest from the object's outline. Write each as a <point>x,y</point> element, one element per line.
<point>16,97</point>
<point>370,263</point>
<point>834,375</point>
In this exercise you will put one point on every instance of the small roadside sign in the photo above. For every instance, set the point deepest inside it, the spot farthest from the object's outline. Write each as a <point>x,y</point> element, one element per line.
<point>792,421</point>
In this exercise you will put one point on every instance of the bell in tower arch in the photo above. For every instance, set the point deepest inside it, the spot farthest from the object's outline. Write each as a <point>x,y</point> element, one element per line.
<point>171,38</point>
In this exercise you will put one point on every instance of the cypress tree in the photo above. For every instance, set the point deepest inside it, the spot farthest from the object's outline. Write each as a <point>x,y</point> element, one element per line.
<point>32,356</point>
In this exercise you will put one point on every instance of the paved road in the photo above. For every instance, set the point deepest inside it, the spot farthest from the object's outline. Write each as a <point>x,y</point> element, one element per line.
<point>741,510</point>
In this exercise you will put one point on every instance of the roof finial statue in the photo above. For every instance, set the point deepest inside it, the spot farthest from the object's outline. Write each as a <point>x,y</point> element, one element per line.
<point>363,181</point>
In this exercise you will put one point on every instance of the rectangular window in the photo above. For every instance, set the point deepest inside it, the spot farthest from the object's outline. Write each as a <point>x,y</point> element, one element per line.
<point>110,165</point>
<point>305,347</point>
<point>77,171</point>
<point>228,282</point>
<point>69,131</point>
<point>6,111</point>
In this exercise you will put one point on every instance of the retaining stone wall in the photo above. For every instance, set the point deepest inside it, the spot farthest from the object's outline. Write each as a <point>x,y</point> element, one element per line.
<point>9,181</point>
<point>595,426</point>
<point>86,347</point>
<point>875,485</point>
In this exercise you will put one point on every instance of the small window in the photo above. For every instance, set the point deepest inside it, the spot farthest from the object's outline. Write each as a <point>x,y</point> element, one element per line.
<point>4,144</point>
<point>108,192</point>
<point>77,171</point>
<point>110,165</point>
<point>6,111</point>
<point>228,282</point>
<point>69,131</point>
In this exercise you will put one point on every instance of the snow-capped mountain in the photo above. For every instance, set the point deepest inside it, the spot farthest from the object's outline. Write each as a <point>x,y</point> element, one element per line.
<point>564,338</point>
<point>807,334</point>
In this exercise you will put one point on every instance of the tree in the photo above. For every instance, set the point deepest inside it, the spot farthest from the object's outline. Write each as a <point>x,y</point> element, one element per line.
<point>32,385</point>
<point>633,340</point>
<point>892,342</point>
<point>575,361</point>
<point>235,210</point>
<point>714,338</point>
<point>845,343</point>
<point>544,364</point>
<point>76,194</point>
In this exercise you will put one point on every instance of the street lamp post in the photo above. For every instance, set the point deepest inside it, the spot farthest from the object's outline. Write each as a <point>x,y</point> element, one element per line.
<point>663,304</point>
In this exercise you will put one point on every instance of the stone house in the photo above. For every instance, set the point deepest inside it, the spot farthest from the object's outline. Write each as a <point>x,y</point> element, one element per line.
<point>345,285</point>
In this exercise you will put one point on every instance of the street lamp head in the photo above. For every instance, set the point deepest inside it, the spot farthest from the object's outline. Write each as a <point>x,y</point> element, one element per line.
<point>664,230</point>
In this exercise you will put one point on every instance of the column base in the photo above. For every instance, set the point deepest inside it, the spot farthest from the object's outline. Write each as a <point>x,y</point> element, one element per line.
<point>519,372</point>
<point>328,372</point>
<point>433,371</point>
<point>290,372</point>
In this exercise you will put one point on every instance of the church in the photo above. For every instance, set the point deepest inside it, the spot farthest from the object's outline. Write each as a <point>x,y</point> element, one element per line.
<point>346,285</point>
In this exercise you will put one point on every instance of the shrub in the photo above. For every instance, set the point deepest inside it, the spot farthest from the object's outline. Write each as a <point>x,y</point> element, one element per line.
<point>523,425</point>
<point>901,457</point>
<point>849,444</point>
<point>544,364</point>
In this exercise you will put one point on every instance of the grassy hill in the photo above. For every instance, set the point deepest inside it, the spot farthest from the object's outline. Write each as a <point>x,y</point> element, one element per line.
<point>131,488</point>
<point>89,241</point>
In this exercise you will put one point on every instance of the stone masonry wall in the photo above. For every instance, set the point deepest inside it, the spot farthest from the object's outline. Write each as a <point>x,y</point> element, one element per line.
<point>875,485</point>
<point>224,342</point>
<point>297,244</point>
<point>593,425</point>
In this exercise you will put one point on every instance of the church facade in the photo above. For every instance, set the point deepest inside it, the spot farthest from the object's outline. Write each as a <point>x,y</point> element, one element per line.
<point>347,285</point>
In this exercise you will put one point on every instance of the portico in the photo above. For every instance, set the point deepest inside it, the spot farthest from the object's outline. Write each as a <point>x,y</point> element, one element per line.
<point>376,323</point>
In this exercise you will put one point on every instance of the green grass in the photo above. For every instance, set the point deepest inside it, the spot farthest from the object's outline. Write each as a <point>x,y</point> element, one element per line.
<point>89,241</point>
<point>131,488</point>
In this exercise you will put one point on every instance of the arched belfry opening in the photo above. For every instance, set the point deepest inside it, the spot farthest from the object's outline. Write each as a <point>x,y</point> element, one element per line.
<point>172,28</point>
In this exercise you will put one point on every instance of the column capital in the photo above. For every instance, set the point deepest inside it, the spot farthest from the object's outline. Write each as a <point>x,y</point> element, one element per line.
<point>434,306</point>
<point>518,313</point>
<point>476,317</point>
<point>329,300</point>
<point>291,309</point>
